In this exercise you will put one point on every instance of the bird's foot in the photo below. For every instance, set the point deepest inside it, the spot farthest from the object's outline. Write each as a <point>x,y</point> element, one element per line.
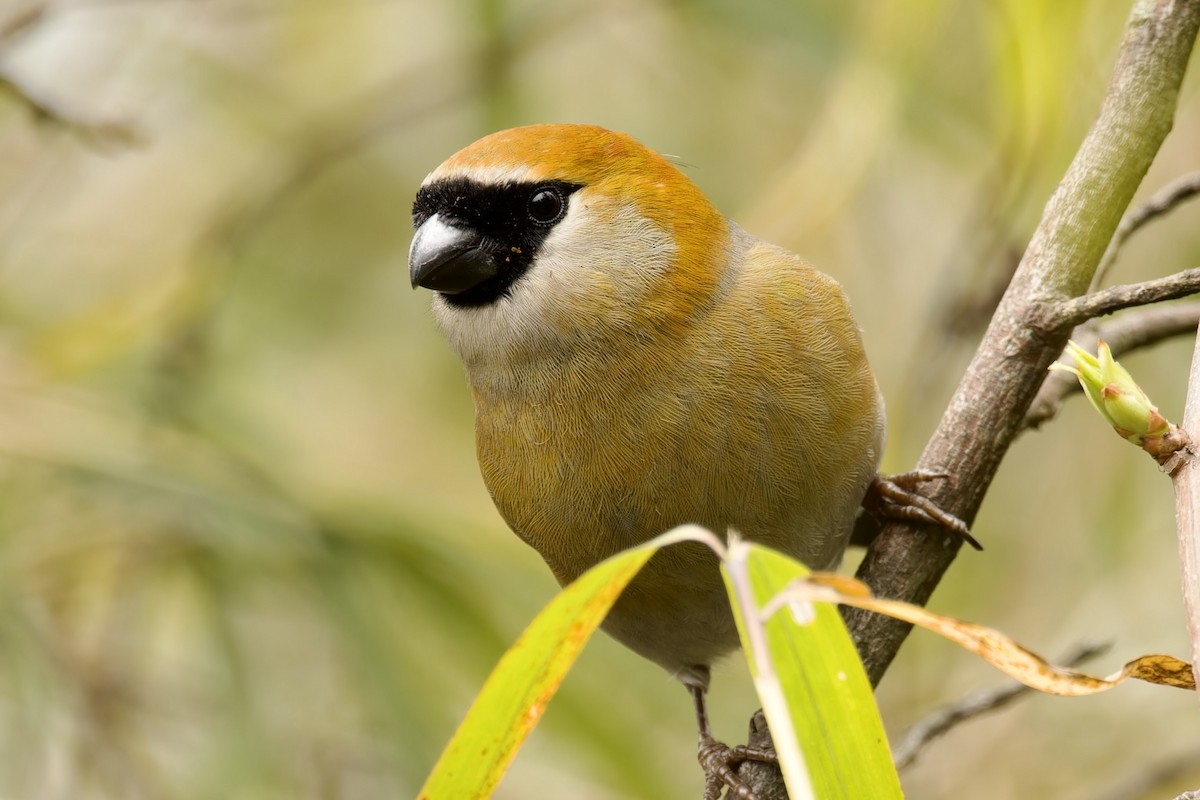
<point>720,763</point>
<point>897,497</point>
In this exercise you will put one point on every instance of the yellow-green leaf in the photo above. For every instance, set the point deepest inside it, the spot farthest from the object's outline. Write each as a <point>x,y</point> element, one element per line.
<point>516,693</point>
<point>815,694</point>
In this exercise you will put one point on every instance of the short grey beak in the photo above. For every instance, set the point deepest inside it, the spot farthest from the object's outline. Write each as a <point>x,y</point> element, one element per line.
<point>448,258</point>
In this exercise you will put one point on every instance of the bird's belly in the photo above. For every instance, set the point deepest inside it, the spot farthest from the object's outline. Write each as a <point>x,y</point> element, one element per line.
<point>578,511</point>
<point>676,613</point>
<point>579,489</point>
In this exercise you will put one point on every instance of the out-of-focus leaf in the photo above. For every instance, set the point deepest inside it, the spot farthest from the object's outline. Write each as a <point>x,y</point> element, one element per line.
<point>817,699</point>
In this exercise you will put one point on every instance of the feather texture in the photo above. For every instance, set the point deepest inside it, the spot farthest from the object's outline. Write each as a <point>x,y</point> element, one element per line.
<point>657,365</point>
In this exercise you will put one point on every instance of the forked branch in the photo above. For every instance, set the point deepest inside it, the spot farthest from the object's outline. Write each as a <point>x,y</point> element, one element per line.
<point>989,407</point>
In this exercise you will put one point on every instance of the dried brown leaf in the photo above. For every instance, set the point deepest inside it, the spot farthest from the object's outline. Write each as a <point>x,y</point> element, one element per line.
<point>989,644</point>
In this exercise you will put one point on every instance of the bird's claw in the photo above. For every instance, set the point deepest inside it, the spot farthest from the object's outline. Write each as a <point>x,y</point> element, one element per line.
<point>720,762</point>
<point>896,497</point>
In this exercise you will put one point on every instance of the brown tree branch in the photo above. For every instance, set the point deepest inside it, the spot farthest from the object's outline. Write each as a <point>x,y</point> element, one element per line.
<point>1186,480</point>
<point>766,779</point>
<point>1078,310</point>
<point>988,409</point>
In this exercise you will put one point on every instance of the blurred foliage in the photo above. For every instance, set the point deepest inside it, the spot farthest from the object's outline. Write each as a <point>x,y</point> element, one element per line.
<point>244,549</point>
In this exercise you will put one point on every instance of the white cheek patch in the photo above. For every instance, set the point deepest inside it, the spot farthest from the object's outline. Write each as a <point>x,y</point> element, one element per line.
<point>589,276</point>
<point>616,241</point>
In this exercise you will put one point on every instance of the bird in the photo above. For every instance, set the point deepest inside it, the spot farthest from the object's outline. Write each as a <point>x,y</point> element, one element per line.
<point>638,361</point>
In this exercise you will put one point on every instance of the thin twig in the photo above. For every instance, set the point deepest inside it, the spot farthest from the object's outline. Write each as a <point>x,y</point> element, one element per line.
<point>973,705</point>
<point>1077,310</point>
<point>98,132</point>
<point>1153,778</point>
<point>21,22</point>
<point>1162,202</point>
<point>1124,334</point>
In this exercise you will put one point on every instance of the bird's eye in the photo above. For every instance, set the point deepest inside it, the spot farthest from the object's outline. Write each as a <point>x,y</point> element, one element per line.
<point>546,206</point>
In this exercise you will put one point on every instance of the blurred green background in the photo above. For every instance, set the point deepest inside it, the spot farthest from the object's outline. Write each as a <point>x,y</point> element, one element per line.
<point>244,548</point>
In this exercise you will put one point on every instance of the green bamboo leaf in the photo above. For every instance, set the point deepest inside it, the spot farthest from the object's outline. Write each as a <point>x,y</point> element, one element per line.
<point>516,693</point>
<point>815,694</point>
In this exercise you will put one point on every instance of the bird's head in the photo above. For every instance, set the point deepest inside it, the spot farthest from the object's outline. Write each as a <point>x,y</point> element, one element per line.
<point>544,235</point>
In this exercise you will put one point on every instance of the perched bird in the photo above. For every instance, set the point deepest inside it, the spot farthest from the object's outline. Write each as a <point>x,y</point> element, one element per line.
<point>637,362</point>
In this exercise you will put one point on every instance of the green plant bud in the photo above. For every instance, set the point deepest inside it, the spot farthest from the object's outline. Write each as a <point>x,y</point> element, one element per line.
<point>1114,393</point>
